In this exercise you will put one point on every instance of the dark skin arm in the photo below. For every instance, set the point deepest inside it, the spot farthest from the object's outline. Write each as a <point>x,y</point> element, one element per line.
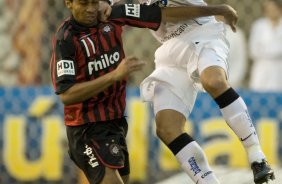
<point>85,90</point>
<point>176,14</point>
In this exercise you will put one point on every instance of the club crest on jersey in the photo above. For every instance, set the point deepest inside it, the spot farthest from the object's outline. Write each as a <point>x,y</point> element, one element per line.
<point>65,67</point>
<point>107,28</point>
<point>132,10</point>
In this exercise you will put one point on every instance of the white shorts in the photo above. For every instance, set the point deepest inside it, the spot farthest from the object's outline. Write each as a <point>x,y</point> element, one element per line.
<point>178,86</point>
<point>187,51</point>
<point>164,98</point>
<point>180,61</point>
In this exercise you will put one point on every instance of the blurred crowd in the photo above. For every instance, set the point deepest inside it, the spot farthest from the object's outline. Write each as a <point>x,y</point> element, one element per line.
<point>26,29</point>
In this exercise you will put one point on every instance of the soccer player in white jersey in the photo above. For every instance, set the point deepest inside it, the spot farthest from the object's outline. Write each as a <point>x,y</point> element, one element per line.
<point>194,55</point>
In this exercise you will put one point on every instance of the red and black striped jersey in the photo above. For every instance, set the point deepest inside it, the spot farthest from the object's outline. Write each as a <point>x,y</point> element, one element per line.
<point>85,53</point>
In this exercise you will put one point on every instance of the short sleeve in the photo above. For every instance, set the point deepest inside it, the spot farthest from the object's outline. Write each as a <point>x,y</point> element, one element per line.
<point>137,15</point>
<point>63,63</point>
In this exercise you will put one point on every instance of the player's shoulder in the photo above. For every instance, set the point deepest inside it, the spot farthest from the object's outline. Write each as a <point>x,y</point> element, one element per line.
<point>64,30</point>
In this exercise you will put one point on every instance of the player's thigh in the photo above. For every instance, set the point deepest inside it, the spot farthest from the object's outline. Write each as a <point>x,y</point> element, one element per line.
<point>164,98</point>
<point>111,177</point>
<point>170,113</point>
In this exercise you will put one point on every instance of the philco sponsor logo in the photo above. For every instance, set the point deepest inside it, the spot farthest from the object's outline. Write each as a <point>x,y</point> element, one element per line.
<point>207,173</point>
<point>104,62</point>
<point>92,159</point>
<point>65,67</point>
<point>194,166</point>
<point>132,10</point>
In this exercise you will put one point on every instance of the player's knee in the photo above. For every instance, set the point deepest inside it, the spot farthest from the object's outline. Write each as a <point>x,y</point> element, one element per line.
<point>170,124</point>
<point>215,86</point>
<point>162,132</point>
<point>167,134</point>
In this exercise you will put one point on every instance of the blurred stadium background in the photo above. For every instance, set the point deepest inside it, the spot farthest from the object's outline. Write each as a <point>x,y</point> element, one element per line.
<point>33,147</point>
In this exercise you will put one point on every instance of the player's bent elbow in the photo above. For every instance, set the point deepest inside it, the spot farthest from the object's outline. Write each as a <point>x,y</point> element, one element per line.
<point>66,100</point>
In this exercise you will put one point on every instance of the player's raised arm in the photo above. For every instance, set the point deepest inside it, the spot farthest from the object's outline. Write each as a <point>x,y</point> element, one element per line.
<point>171,14</point>
<point>174,14</point>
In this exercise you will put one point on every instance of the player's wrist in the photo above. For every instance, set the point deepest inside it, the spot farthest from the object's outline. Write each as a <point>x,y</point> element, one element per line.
<point>223,9</point>
<point>115,76</point>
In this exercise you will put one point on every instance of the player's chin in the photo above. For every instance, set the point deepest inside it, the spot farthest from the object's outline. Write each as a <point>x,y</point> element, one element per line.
<point>90,20</point>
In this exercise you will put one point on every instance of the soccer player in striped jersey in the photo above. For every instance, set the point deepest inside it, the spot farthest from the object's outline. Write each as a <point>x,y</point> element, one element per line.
<point>89,72</point>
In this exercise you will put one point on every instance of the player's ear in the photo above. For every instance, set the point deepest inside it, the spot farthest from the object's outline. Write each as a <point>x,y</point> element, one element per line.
<point>68,3</point>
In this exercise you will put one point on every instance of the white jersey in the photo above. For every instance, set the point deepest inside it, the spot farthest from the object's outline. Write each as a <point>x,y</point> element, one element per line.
<point>171,30</point>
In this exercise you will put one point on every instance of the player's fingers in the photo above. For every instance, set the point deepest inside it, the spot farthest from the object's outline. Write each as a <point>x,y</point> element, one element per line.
<point>104,17</point>
<point>137,66</point>
<point>233,26</point>
<point>108,12</point>
<point>132,58</point>
<point>234,29</point>
<point>104,11</point>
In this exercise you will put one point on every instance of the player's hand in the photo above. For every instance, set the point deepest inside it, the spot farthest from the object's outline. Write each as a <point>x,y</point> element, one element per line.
<point>230,16</point>
<point>127,66</point>
<point>104,11</point>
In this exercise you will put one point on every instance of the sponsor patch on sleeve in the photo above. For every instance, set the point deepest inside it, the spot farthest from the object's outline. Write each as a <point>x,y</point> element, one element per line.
<point>65,67</point>
<point>132,10</point>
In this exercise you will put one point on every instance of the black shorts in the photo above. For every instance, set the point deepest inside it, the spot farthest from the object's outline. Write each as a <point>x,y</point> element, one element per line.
<point>94,146</point>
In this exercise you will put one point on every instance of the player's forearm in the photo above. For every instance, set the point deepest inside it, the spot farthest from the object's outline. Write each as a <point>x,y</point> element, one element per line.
<point>85,90</point>
<point>174,14</point>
